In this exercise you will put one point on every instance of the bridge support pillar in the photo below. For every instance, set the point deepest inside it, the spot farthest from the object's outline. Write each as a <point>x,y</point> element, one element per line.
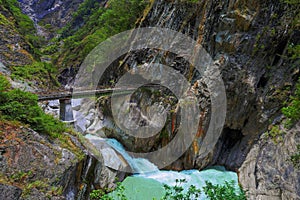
<point>65,112</point>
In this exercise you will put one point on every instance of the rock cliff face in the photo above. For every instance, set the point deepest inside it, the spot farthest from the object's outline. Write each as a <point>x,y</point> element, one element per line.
<point>267,172</point>
<point>248,41</point>
<point>36,167</point>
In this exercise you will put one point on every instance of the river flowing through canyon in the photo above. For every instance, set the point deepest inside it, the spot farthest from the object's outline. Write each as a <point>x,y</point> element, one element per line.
<point>148,181</point>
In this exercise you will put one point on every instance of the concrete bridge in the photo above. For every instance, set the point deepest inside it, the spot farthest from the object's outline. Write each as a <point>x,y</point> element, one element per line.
<point>65,97</point>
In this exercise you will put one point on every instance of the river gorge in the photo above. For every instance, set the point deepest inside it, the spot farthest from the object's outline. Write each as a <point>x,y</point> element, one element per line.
<point>201,93</point>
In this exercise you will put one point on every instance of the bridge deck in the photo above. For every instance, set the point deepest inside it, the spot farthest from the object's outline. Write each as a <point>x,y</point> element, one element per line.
<point>81,94</point>
<point>77,94</point>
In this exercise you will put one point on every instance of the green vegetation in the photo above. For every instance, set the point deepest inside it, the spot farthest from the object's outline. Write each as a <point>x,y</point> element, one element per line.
<point>4,21</point>
<point>20,176</point>
<point>17,105</point>
<point>4,84</point>
<point>22,107</point>
<point>213,192</point>
<point>97,194</point>
<point>223,192</point>
<point>42,186</point>
<point>99,24</point>
<point>103,193</point>
<point>292,2</point>
<point>292,111</point>
<point>39,72</point>
<point>177,192</point>
<point>42,74</point>
<point>82,15</point>
<point>23,22</point>
<point>294,51</point>
<point>275,133</point>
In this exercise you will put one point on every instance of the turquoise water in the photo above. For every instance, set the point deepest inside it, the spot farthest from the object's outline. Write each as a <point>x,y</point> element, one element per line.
<point>149,186</point>
<point>139,188</point>
<point>148,183</point>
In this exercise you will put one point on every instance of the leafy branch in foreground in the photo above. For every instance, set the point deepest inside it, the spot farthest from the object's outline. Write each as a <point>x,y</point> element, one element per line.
<point>223,192</point>
<point>102,194</point>
<point>213,192</point>
<point>177,192</point>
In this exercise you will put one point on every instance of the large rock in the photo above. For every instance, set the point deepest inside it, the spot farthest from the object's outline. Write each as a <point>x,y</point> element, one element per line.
<point>267,172</point>
<point>111,157</point>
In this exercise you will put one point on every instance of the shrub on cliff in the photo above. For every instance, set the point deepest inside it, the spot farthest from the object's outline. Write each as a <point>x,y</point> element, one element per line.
<point>292,111</point>
<point>40,73</point>
<point>4,84</point>
<point>17,105</point>
<point>23,23</point>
